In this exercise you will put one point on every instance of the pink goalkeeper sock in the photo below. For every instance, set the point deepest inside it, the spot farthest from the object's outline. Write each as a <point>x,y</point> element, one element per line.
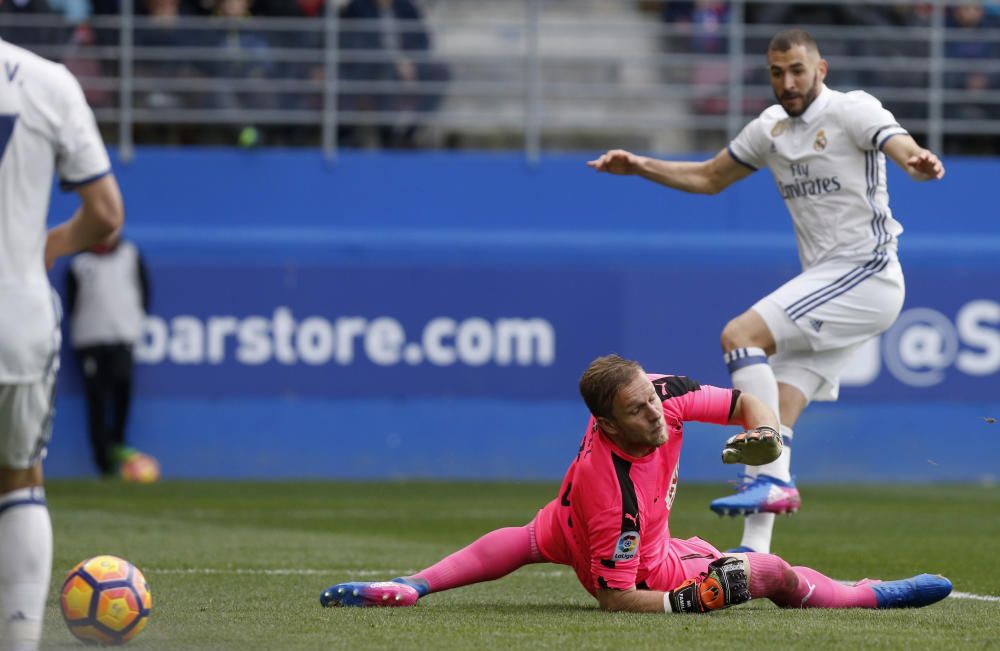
<point>803,587</point>
<point>496,554</point>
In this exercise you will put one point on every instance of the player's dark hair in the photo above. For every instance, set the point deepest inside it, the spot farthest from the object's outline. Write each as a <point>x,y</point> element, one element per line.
<point>786,39</point>
<point>603,379</point>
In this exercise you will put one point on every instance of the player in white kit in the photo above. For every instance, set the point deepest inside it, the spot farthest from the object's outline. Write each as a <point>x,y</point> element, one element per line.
<point>826,150</point>
<point>45,125</point>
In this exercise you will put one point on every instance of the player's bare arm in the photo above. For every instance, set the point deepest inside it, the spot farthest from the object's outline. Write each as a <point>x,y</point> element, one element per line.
<point>630,601</point>
<point>99,217</point>
<point>751,412</point>
<point>921,164</point>
<point>706,177</point>
<point>760,442</point>
<point>726,583</point>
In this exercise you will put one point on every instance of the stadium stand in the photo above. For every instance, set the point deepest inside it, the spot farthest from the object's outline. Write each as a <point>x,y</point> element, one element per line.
<point>552,74</point>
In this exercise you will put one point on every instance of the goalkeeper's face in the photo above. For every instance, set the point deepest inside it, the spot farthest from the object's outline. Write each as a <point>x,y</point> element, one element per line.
<point>636,424</point>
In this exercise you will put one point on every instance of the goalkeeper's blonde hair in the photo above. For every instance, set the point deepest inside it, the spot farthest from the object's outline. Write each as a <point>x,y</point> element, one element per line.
<point>603,379</point>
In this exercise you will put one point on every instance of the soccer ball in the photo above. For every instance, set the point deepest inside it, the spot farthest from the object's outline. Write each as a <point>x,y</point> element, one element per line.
<point>140,468</point>
<point>105,600</point>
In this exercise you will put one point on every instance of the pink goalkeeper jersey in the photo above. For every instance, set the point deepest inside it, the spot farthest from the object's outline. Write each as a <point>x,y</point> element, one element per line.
<point>610,519</point>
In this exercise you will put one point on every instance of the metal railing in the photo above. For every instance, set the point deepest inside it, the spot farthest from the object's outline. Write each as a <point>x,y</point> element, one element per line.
<point>530,74</point>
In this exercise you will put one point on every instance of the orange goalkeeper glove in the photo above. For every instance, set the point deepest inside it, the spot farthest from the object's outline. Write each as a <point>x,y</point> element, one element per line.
<point>725,584</point>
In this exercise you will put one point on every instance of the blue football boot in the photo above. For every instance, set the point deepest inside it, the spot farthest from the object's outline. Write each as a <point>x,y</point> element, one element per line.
<point>369,594</point>
<point>915,592</point>
<point>761,494</point>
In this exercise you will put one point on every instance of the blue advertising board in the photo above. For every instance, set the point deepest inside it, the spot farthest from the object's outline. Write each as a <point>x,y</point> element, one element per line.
<point>306,324</point>
<point>525,334</point>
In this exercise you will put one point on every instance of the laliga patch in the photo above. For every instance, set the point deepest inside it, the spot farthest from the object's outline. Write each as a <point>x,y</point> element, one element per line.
<point>627,547</point>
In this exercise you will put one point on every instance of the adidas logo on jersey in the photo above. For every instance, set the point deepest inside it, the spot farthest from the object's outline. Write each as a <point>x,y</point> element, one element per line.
<point>816,324</point>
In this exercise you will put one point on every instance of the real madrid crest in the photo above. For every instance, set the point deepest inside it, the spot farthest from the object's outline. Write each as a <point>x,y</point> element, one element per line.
<point>820,143</point>
<point>779,128</point>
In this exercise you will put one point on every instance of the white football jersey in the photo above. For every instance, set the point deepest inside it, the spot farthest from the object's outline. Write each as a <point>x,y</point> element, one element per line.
<point>45,124</point>
<point>830,170</point>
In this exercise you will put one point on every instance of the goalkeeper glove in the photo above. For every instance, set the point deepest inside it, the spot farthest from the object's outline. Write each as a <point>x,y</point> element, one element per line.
<point>754,447</point>
<point>725,584</point>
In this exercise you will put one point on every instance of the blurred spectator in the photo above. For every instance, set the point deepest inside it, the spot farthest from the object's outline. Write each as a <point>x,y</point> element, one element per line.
<point>707,33</point>
<point>163,30</point>
<point>85,66</point>
<point>967,23</point>
<point>300,8</point>
<point>971,17</point>
<point>905,55</point>
<point>800,13</point>
<point>841,77</point>
<point>25,35</point>
<point>395,28</point>
<point>140,7</point>
<point>107,297</point>
<point>310,8</point>
<point>710,76</point>
<point>74,11</point>
<point>306,41</point>
<point>679,15</point>
<point>247,55</point>
<point>202,7</point>
<point>105,7</point>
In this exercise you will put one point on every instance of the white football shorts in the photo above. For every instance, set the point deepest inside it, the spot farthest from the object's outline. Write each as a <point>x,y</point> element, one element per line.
<point>823,315</point>
<point>26,421</point>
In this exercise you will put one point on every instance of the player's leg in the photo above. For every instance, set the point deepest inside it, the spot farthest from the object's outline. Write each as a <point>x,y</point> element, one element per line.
<point>773,490</point>
<point>121,393</point>
<point>492,556</point>
<point>802,587</point>
<point>814,321</point>
<point>792,401</point>
<point>95,390</point>
<point>25,527</point>
<point>819,320</point>
<point>748,341</point>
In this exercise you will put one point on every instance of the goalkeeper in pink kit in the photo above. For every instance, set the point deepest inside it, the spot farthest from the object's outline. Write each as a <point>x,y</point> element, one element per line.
<point>609,521</point>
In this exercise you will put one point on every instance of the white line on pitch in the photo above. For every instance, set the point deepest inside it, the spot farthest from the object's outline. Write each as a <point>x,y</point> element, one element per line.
<point>977,597</point>
<point>391,572</point>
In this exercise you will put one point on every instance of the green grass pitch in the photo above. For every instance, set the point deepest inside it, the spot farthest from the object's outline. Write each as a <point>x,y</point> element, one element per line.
<point>241,566</point>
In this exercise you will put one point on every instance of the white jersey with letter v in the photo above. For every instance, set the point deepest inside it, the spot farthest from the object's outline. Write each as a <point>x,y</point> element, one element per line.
<point>42,111</point>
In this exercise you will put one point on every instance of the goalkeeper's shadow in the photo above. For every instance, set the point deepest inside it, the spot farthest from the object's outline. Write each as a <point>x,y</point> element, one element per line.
<point>501,608</point>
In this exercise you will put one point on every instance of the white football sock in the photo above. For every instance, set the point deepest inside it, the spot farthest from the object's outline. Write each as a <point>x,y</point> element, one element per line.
<point>25,567</point>
<point>780,468</point>
<point>750,372</point>
<point>757,530</point>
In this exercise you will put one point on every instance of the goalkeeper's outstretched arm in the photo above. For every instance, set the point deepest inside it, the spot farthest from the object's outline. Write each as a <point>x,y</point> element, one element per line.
<point>760,443</point>
<point>751,412</point>
<point>630,600</point>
